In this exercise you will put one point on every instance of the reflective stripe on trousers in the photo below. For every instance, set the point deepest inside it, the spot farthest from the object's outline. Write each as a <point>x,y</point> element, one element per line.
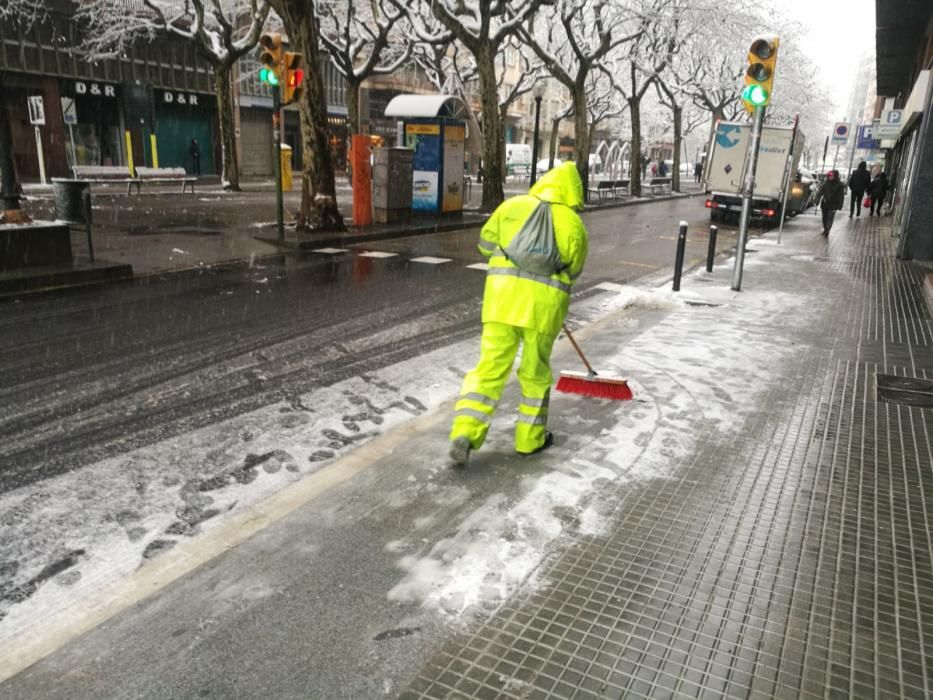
<point>482,387</point>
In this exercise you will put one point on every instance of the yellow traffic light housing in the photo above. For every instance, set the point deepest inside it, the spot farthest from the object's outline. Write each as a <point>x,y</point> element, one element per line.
<point>759,76</point>
<point>294,77</point>
<point>272,59</point>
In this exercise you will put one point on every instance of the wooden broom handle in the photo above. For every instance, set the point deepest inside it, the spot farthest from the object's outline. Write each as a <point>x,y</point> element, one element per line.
<point>579,351</point>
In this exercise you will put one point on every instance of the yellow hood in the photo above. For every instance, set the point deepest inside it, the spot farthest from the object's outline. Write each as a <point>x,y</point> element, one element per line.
<point>562,185</point>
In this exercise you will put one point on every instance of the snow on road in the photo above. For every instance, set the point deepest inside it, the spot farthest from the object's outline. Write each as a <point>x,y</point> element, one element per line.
<point>66,537</point>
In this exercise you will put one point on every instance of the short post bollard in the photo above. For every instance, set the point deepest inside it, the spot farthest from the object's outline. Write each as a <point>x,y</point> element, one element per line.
<point>679,260</point>
<point>711,251</point>
<point>88,220</point>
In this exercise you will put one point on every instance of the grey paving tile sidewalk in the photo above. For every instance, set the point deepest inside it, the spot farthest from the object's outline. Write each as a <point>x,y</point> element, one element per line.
<point>794,562</point>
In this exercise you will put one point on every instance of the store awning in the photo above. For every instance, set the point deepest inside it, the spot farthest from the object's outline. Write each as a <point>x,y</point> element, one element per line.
<point>427,106</point>
<point>900,26</point>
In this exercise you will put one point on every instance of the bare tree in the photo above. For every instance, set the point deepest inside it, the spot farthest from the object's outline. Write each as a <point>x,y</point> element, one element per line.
<point>634,70</point>
<point>223,31</point>
<point>363,39</point>
<point>481,26</point>
<point>22,14</point>
<point>319,209</point>
<point>571,45</point>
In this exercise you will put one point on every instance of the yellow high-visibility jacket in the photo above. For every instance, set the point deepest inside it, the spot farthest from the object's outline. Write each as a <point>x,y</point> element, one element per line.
<point>524,299</point>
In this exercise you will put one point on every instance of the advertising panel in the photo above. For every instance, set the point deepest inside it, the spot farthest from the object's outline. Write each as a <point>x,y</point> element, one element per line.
<point>454,151</point>
<point>425,141</point>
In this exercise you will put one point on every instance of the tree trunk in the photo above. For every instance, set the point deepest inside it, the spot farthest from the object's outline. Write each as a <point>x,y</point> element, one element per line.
<point>555,125</point>
<point>493,149</point>
<point>319,209</point>
<point>230,170</point>
<point>678,126</point>
<point>9,185</point>
<point>352,94</point>
<point>634,106</point>
<point>581,137</point>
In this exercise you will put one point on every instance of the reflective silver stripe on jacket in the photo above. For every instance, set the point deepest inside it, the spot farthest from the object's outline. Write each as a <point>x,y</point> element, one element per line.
<point>532,420</point>
<point>473,413</point>
<point>522,274</point>
<point>478,398</point>
<point>487,245</point>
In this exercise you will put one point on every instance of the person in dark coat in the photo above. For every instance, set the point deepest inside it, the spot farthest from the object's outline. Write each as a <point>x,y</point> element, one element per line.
<point>697,171</point>
<point>832,196</point>
<point>878,190</point>
<point>195,150</point>
<point>858,183</point>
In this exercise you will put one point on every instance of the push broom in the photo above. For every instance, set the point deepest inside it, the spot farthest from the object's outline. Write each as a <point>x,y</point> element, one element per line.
<point>591,384</point>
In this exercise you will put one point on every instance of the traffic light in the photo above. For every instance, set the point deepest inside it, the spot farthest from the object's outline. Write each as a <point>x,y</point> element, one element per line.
<point>271,58</point>
<point>759,76</point>
<point>294,77</point>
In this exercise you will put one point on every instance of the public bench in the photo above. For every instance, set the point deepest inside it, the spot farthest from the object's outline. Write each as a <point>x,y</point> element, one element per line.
<point>108,174</point>
<point>603,189</point>
<point>614,188</point>
<point>659,183</point>
<point>620,187</point>
<point>177,175</point>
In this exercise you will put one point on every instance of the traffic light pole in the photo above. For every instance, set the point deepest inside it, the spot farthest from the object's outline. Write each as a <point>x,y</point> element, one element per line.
<point>748,189</point>
<point>277,140</point>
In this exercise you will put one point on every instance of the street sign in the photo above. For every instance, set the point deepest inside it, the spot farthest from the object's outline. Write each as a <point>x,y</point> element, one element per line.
<point>69,111</point>
<point>892,121</point>
<point>841,132</point>
<point>36,110</point>
<point>866,137</point>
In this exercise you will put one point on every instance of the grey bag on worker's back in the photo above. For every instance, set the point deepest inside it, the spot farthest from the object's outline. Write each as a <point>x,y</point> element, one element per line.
<point>534,247</point>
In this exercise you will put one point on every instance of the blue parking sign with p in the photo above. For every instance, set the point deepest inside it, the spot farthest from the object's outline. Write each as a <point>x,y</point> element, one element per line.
<point>866,137</point>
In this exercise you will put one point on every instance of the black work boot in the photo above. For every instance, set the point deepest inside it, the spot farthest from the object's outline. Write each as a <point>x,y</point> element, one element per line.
<point>460,451</point>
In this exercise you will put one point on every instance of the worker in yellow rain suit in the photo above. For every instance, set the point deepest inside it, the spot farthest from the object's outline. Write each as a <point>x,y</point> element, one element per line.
<point>521,307</point>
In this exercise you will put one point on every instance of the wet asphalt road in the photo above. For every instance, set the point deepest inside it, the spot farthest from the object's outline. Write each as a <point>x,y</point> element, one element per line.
<point>94,373</point>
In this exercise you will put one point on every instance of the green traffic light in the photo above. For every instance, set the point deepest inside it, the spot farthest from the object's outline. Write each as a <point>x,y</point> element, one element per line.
<point>756,95</point>
<point>268,76</point>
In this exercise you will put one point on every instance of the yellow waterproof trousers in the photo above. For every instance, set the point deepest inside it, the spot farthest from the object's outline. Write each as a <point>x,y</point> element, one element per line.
<point>482,388</point>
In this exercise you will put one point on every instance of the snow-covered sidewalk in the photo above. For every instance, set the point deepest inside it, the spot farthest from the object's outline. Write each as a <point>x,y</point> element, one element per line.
<point>342,558</point>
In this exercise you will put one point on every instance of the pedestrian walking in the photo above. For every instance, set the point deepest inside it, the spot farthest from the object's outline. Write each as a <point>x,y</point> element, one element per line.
<point>662,169</point>
<point>832,196</point>
<point>522,307</point>
<point>878,190</point>
<point>858,183</point>
<point>697,171</point>
<point>195,150</point>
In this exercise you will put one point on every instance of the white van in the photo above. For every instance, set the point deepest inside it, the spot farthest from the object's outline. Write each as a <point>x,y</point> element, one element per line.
<point>517,159</point>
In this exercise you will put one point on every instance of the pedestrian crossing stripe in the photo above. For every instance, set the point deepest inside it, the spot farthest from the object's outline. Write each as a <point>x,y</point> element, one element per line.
<point>377,254</point>
<point>478,266</point>
<point>431,260</point>
<point>330,251</point>
<point>610,287</point>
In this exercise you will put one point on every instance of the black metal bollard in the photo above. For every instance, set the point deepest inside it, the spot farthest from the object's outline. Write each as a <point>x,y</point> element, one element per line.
<point>88,220</point>
<point>711,251</point>
<point>679,260</point>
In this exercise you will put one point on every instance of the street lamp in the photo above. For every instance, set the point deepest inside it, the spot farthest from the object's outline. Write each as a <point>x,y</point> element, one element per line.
<point>539,95</point>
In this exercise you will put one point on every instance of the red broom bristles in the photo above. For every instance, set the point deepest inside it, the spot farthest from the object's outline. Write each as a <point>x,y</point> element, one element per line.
<point>595,386</point>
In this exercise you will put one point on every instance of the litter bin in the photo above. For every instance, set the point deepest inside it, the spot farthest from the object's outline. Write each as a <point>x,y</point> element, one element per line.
<point>286,157</point>
<point>73,205</point>
<point>70,198</point>
<point>392,185</point>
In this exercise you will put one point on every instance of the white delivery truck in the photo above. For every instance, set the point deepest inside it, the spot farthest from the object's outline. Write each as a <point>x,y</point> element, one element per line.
<point>725,171</point>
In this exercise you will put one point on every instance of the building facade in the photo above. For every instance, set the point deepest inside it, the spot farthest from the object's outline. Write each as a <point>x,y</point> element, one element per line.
<point>112,112</point>
<point>904,50</point>
<point>103,112</point>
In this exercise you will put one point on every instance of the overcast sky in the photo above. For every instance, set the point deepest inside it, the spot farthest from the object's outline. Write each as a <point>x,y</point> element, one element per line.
<point>838,33</point>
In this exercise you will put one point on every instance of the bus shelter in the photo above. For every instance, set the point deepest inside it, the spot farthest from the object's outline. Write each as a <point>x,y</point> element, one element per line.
<point>434,127</point>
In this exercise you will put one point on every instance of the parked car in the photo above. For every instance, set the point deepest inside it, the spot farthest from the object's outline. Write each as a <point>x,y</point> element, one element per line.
<point>543,165</point>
